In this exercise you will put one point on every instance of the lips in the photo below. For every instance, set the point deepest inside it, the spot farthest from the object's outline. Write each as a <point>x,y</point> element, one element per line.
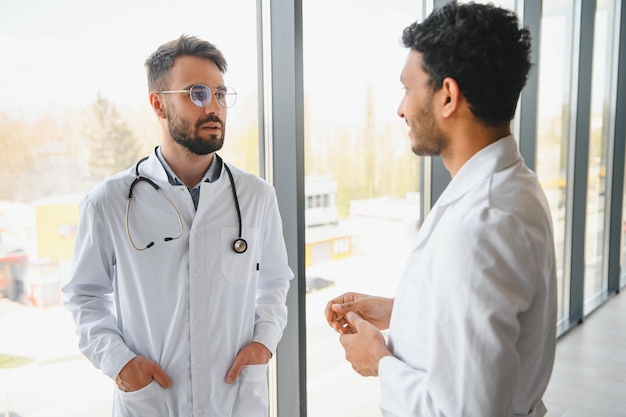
<point>212,125</point>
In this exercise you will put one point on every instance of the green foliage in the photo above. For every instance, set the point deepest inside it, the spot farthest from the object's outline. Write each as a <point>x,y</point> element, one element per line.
<point>10,361</point>
<point>367,161</point>
<point>48,154</point>
<point>112,144</point>
<point>15,155</point>
<point>39,157</point>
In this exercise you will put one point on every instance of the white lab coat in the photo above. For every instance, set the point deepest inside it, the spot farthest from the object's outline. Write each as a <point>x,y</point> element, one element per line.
<point>473,327</point>
<point>189,304</point>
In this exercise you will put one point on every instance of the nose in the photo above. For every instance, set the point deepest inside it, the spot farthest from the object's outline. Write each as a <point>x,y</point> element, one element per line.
<point>400,110</point>
<point>213,107</point>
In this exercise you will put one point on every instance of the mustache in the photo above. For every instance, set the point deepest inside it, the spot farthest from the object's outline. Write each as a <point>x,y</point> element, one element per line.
<point>211,118</point>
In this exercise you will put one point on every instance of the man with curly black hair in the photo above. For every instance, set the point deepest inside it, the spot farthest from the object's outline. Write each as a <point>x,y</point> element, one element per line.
<point>472,329</point>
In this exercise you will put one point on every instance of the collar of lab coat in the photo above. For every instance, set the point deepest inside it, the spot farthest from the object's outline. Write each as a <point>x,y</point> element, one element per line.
<point>484,163</point>
<point>153,169</point>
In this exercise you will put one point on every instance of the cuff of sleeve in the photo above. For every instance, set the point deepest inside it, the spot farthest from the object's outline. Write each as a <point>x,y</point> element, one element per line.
<point>117,358</point>
<point>389,369</point>
<point>268,337</point>
<point>385,365</point>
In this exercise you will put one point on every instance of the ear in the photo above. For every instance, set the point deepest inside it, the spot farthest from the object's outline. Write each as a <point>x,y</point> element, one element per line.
<point>451,97</point>
<point>158,106</point>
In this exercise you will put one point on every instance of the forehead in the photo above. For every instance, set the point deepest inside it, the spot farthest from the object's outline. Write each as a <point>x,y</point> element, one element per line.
<point>413,70</point>
<point>188,70</point>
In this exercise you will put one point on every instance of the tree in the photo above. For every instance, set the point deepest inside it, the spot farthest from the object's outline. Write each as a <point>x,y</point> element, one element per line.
<point>16,156</point>
<point>112,144</point>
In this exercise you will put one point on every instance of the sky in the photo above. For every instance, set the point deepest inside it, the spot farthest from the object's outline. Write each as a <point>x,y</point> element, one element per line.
<point>62,53</point>
<point>56,54</point>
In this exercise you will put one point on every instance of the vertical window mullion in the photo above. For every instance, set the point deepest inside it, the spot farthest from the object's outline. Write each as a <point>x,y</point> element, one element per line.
<point>578,154</point>
<point>282,128</point>
<point>617,151</point>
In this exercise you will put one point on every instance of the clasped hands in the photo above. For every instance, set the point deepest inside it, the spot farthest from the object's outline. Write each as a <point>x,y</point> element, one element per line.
<point>359,319</point>
<point>140,371</point>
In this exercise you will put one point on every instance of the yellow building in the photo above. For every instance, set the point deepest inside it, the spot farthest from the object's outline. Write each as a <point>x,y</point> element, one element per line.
<point>43,234</point>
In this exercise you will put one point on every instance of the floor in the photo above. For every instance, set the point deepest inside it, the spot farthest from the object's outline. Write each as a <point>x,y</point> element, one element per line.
<point>589,377</point>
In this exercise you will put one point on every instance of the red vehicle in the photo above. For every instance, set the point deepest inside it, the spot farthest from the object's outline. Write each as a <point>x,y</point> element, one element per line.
<point>12,273</point>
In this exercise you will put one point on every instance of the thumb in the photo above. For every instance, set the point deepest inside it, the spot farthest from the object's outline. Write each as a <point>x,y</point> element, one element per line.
<point>354,320</point>
<point>345,307</point>
<point>235,369</point>
<point>161,377</point>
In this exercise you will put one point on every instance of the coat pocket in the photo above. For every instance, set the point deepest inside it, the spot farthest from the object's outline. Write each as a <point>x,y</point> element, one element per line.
<point>252,395</point>
<point>239,268</point>
<point>148,401</point>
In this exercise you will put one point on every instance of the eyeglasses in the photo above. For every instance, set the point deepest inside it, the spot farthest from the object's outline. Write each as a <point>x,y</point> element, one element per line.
<point>201,94</point>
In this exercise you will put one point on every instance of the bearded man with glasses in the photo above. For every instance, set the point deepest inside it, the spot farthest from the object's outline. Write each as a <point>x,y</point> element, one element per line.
<point>180,297</point>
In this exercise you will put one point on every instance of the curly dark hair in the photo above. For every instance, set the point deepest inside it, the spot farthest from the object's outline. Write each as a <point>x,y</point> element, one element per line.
<point>483,48</point>
<point>159,64</point>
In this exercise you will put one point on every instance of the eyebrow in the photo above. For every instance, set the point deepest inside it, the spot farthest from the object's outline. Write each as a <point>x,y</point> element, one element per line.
<point>219,87</point>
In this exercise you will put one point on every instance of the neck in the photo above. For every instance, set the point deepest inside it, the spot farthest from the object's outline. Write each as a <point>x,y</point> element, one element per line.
<point>468,140</point>
<point>188,167</point>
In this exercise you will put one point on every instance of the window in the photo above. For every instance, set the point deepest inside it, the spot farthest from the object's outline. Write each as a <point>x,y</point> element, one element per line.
<point>358,159</point>
<point>623,229</point>
<point>553,118</point>
<point>596,279</point>
<point>62,63</point>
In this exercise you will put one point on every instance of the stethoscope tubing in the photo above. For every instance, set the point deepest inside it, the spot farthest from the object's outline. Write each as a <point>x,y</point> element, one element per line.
<point>239,245</point>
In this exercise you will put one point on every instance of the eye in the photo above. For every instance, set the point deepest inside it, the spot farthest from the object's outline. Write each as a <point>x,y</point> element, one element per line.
<point>221,93</point>
<point>200,95</point>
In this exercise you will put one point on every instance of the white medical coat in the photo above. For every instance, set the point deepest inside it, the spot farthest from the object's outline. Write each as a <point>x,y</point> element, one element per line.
<point>188,304</point>
<point>473,326</point>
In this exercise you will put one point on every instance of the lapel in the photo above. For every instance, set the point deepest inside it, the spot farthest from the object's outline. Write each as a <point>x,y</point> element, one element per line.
<point>486,162</point>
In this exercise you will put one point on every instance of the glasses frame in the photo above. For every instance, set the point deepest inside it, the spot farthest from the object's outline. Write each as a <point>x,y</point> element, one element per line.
<point>227,91</point>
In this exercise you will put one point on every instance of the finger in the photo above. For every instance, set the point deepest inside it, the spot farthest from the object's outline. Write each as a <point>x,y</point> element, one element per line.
<point>161,377</point>
<point>330,309</point>
<point>121,384</point>
<point>329,313</point>
<point>339,323</point>
<point>342,299</point>
<point>235,369</point>
<point>334,320</point>
<point>341,309</point>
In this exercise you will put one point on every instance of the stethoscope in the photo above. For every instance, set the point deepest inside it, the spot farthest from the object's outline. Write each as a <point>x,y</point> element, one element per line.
<point>239,245</point>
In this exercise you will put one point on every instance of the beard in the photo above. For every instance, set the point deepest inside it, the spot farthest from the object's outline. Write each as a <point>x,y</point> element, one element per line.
<point>427,137</point>
<point>188,137</point>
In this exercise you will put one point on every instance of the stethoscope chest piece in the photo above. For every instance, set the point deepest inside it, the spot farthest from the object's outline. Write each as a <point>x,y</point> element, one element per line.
<point>240,245</point>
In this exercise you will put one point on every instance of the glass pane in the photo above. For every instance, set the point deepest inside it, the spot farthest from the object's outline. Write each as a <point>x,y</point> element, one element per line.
<point>596,280</point>
<point>361,181</point>
<point>64,64</point>
<point>553,118</point>
<point>623,257</point>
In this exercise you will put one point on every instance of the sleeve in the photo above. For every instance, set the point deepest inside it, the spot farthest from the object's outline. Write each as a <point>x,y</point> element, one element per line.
<point>88,294</point>
<point>274,277</point>
<point>479,287</point>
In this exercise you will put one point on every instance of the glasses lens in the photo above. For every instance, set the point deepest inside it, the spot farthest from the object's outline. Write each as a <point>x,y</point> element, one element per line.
<point>200,95</point>
<point>226,96</point>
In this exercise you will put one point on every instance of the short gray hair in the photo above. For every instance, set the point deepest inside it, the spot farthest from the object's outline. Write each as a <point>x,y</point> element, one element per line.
<point>159,64</point>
